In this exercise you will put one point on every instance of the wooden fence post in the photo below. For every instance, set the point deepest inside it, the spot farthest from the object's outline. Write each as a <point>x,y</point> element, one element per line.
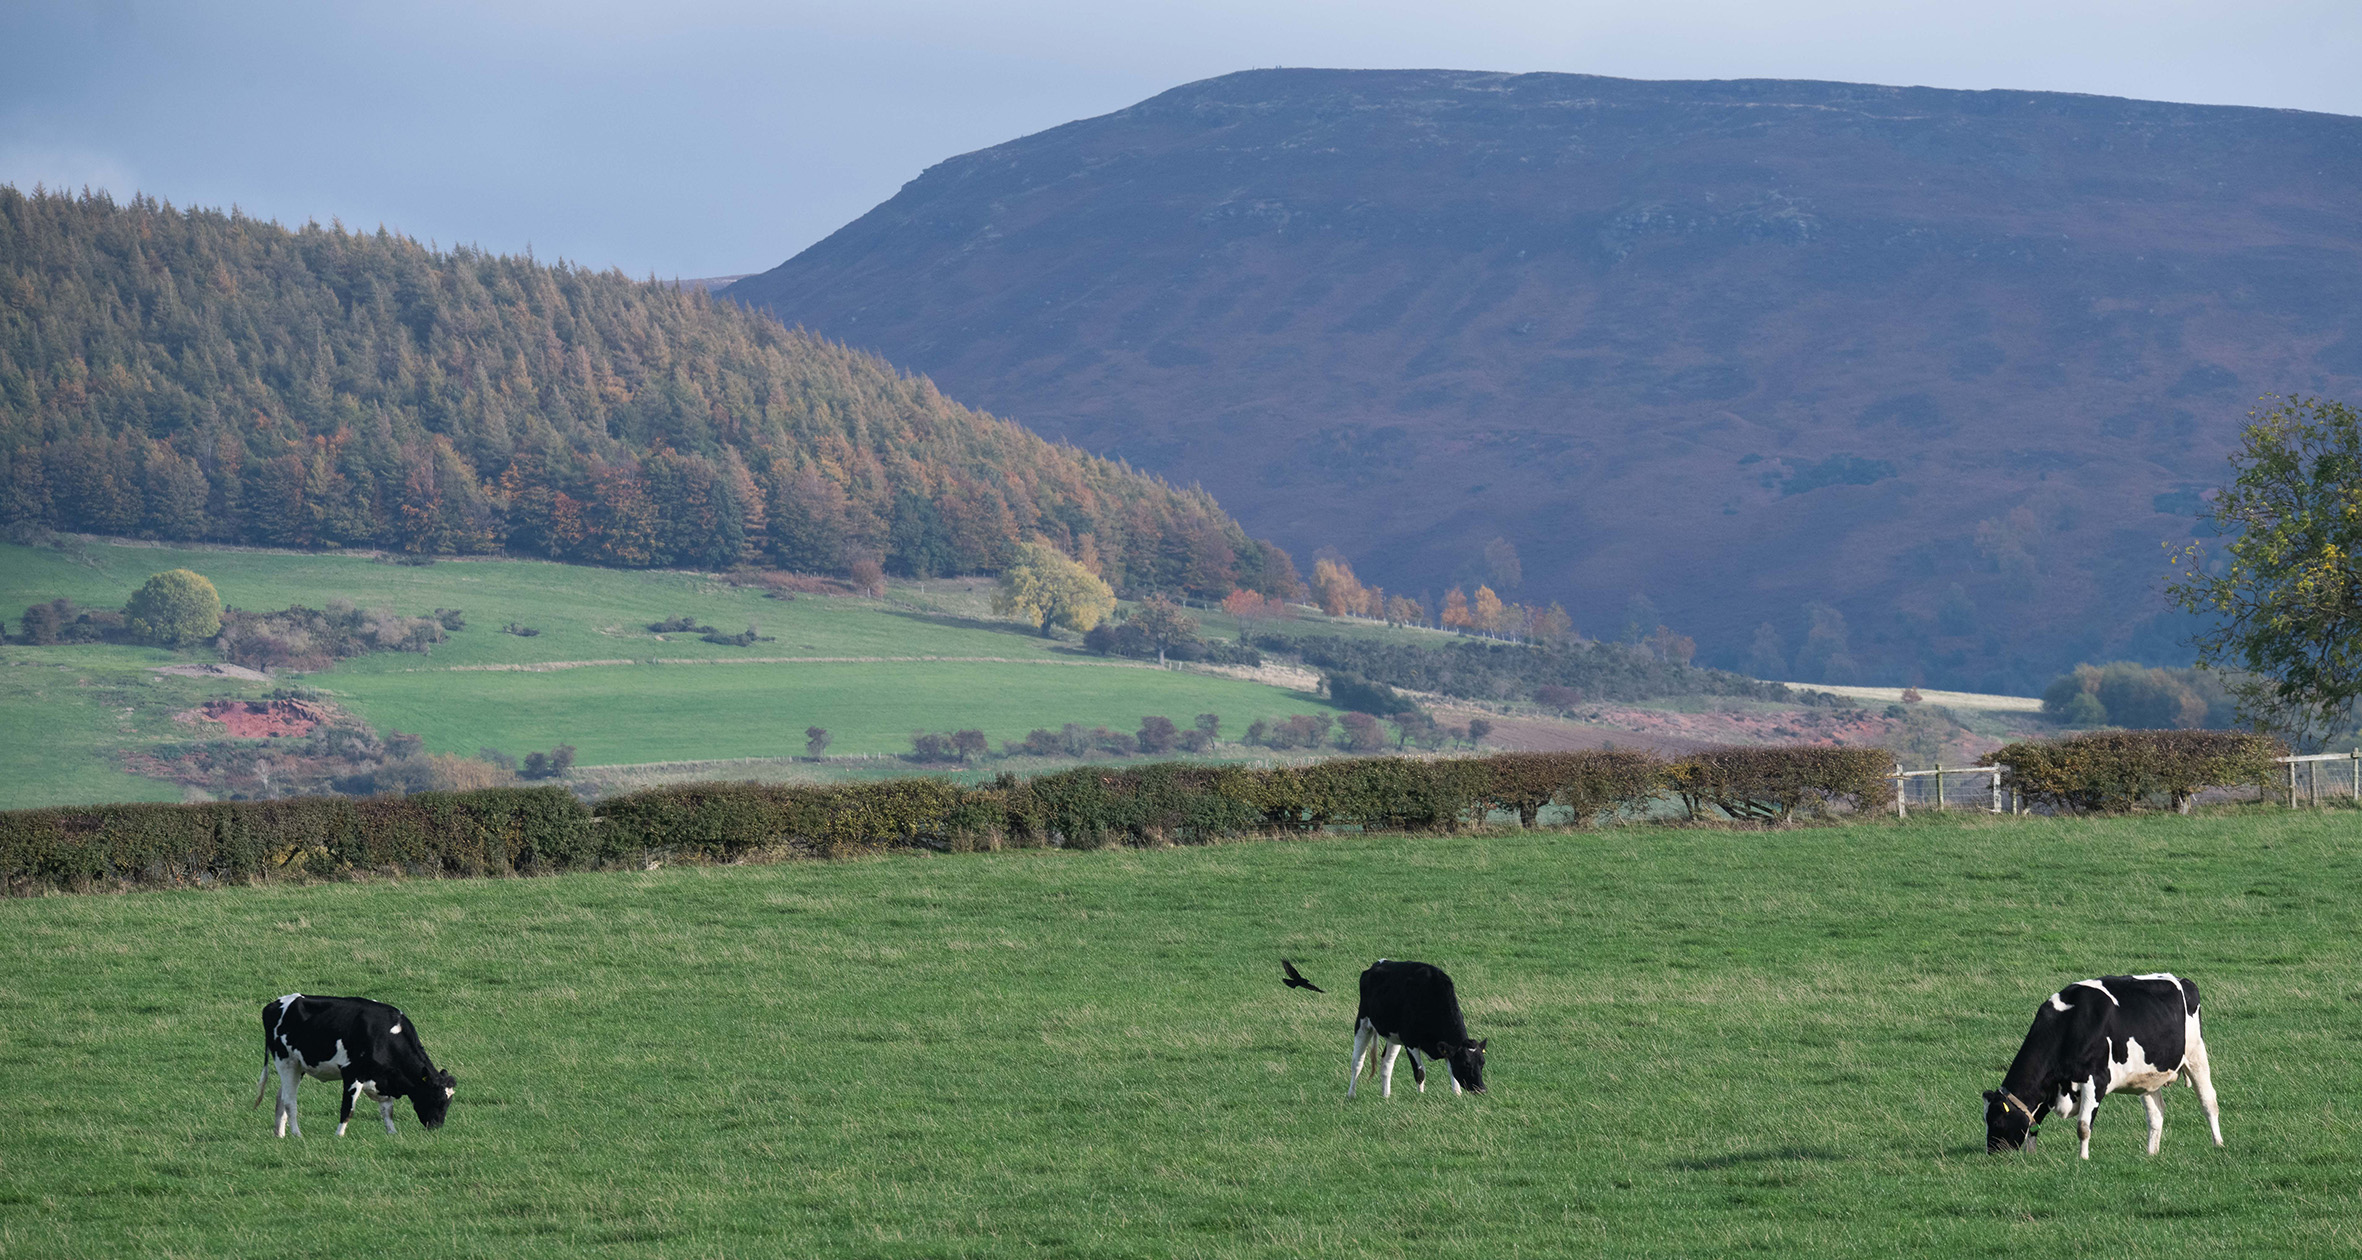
<point>1996,789</point>
<point>1901,785</point>
<point>1939,787</point>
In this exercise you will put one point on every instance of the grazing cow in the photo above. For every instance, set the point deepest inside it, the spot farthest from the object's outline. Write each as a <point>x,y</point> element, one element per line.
<point>2099,1037</point>
<point>1411,1006</point>
<point>369,1047</point>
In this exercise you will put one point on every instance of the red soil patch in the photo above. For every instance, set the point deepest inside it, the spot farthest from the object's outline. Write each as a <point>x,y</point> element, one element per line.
<point>259,719</point>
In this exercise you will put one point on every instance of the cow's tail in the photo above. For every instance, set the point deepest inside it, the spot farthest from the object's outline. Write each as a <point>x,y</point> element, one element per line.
<point>262,1084</point>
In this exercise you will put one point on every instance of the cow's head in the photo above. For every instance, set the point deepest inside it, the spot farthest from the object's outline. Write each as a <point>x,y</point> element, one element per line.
<point>2009,1122</point>
<point>1467,1060</point>
<point>433,1097</point>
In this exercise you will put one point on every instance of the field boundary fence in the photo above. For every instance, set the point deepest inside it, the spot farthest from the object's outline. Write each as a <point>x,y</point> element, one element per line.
<point>1988,788</point>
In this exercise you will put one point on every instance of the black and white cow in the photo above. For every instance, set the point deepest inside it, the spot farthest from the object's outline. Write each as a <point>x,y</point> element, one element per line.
<point>368,1047</point>
<point>1412,1006</point>
<point>2100,1037</point>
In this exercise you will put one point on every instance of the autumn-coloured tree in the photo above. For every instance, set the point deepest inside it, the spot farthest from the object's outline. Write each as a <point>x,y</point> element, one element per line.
<point>1336,590</point>
<point>1041,586</point>
<point>868,576</point>
<point>1553,625</point>
<point>1675,649</point>
<point>1402,610</point>
<point>1455,611</point>
<point>1485,611</point>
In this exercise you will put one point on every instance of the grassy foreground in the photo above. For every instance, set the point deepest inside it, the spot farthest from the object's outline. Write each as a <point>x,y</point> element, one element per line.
<point>1702,1043</point>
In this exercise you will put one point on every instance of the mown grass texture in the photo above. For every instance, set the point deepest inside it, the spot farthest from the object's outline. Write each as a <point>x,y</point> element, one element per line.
<point>1702,1042</point>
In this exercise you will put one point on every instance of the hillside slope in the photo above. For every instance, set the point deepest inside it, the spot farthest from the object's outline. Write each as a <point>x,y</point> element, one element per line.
<point>197,375</point>
<point>1953,362</point>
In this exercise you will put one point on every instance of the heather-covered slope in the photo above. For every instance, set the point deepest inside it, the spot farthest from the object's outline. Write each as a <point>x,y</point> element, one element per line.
<point>1952,362</point>
<point>195,375</point>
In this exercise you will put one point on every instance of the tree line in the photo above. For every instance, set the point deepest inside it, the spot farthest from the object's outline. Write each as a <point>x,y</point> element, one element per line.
<point>196,375</point>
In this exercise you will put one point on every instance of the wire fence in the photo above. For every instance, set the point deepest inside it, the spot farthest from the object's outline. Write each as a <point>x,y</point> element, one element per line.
<point>2309,780</point>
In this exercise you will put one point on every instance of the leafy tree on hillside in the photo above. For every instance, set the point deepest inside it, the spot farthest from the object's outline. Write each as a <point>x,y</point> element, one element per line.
<point>816,740</point>
<point>1336,590</point>
<point>1165,624</point>
<point>175,608</point>
<point>2286,600</point>
<point>1042,587</point>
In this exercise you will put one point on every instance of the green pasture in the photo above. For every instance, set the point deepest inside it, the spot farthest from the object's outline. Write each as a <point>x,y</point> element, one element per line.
<point>1703,1043</point>
<point>640,713</point>
<point>63,725</point>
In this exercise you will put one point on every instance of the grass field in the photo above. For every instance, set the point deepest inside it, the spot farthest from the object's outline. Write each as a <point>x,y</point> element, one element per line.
<point>1703,1042</point>
<point>62,709</point>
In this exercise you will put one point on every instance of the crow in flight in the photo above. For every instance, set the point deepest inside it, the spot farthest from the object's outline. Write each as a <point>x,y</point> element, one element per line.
<point>1296,978</point>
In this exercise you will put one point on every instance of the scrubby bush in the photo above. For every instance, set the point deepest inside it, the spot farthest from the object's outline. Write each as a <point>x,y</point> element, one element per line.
<point>306,639</point>
<point>1352,691</point>
<point>2118,771</point>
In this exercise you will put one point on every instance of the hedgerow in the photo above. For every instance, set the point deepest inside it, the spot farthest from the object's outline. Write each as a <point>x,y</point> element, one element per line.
<point>2119,771</point>
<point>524,831</point>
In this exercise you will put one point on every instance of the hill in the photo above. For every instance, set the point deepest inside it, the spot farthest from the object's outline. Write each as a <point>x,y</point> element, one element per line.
<point>188,374</point>
<point>1948,364</point>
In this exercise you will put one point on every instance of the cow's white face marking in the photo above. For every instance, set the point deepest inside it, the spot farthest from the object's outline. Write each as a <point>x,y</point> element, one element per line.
<point>449,1092</point>
<point>397,1028</point>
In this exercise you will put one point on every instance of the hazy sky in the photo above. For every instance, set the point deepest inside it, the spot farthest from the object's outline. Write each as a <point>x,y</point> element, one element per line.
<point>694,138</point>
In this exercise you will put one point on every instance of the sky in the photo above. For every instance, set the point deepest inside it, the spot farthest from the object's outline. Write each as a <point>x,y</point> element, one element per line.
<point>712,137</point>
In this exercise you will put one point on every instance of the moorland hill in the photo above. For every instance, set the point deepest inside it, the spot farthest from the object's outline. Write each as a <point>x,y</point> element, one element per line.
<point>1951,364</point>
<point>195,375</point>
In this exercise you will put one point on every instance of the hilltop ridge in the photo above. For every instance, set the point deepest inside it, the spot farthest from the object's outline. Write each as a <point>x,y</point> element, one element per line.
<point>1949,365</point>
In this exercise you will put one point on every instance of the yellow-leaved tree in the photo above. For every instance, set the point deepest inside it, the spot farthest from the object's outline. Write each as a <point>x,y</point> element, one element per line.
<point>1041,586</point>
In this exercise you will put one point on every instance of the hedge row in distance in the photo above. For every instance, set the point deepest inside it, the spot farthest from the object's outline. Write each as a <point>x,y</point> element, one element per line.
<point>502,831</point>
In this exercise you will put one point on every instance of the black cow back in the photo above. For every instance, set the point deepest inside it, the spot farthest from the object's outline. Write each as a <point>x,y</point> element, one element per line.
<point>1412,1003</point>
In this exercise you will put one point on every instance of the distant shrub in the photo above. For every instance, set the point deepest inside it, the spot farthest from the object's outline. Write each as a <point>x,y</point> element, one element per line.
<point>1352,691</point>
<point>175,608</point>
<point>2118,771</point>
<point>2122,693</point>
<point>1157,736</point>
<point>451,619</point>
<point>64,621</point>
<point>521,631</point>
<point>679,625</point>
<point>816,740</point>
<point>304,639</point>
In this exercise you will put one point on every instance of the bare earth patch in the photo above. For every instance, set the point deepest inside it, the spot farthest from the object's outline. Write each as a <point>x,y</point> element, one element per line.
<point>258,719</point>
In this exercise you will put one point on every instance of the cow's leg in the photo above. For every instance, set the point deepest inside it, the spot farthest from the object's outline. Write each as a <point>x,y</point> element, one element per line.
<point>385,1112</point>
<point>1386,1069</point>
<point>1361,1048</point>
<point>288,1076</point>
<point>344,1104</point>
<point>1418,1073</point>
<point>1447,1071</point>
<point>2156,1108</point>
<point>2083,1112</point>
<point>2201,1078</point>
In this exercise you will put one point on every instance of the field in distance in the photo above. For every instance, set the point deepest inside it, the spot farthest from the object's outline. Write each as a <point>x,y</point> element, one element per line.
<point>1701,1044</point>
<point>870,672</point>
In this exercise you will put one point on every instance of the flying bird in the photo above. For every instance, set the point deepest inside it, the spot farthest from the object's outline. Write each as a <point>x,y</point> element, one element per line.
<point>1296,978</point>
